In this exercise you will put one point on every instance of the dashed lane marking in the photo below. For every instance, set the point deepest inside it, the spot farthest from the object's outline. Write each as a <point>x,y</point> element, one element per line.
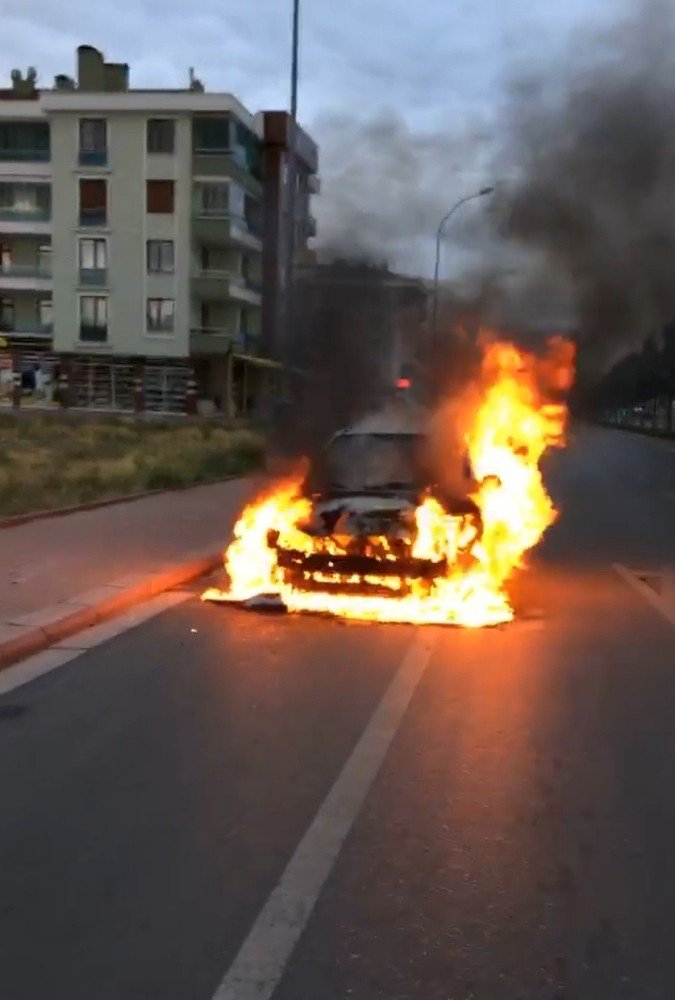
<point>260,963</point>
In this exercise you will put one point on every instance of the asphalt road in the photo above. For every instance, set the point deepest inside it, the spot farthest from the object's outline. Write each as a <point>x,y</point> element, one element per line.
<point>516,842</point>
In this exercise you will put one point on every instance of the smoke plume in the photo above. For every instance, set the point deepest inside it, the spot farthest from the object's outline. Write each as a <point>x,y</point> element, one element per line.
<point>386,185</point>
<point>581,232</point>
<point>593,147</point>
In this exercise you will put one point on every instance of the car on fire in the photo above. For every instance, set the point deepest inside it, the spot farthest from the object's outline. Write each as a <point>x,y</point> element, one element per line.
<point>365,488</point>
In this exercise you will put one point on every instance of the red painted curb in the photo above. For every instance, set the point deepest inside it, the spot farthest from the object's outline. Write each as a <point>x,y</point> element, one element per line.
<point>29,643</point>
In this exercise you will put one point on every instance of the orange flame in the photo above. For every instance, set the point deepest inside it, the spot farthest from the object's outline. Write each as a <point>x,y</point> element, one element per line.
<point>507,432</point>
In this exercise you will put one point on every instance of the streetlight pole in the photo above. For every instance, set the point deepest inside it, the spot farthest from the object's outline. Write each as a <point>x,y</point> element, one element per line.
<point>439,236</point>
<point>291,186</point>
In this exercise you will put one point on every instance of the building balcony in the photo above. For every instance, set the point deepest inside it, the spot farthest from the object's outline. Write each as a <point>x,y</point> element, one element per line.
<point>92,157</point>
<point>221,286</point>
<point>221,227</point>
<point>36,330</point>
<point>230,163</point>
<point>26,277</point>
<point>314,184</point>
<point>311,226</point>
<point>24,155</point>
<point>25,220</point>
<point>208,340</point>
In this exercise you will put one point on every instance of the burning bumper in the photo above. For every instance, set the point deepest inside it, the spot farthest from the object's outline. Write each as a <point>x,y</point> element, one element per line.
<point>355,573</point>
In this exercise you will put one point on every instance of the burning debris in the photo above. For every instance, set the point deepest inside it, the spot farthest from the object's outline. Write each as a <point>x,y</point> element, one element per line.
<point>418,556</point>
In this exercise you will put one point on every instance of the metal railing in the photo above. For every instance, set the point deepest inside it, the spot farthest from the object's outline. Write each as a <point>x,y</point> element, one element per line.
<point>93,157</point>
<point>25,215</point>
<point>93,275</point>
<point>235,153</point>
<point>24,155</point>
<point>216,212</point>
<point>24,271</point>
<point>92,334</point>
<point>36,328</point>
<point>93,216</point>
<point>233,277</point>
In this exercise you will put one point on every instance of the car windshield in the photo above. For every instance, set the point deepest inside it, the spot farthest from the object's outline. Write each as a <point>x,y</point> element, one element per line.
<point>361,462</point>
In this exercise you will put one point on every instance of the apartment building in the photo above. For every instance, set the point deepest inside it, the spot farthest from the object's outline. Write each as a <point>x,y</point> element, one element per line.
<point>133,226</point>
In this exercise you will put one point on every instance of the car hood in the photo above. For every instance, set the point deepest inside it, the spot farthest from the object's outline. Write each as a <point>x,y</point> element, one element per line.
<point>364,504</point>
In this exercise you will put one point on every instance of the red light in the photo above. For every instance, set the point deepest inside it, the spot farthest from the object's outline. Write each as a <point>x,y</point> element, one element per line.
<point>403,383</point>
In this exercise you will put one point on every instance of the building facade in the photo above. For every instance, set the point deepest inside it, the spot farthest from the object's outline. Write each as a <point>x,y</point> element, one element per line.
<point>132,230</point>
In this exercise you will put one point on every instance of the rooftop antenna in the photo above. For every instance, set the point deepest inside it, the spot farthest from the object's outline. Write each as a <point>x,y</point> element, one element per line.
<point>195,83</point>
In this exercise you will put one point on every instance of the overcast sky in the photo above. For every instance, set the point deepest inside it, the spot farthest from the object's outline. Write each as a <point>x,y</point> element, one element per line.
<point>436,70</point>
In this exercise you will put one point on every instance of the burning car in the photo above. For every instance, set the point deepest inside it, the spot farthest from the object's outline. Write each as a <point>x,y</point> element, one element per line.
<point>364,491</point>
<point>370,534</point>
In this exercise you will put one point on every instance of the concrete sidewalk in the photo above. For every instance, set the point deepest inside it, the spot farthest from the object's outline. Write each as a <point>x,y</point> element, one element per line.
<point>51,568</point>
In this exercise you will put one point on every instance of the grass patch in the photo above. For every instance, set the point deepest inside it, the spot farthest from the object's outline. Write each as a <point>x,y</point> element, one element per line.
<point>47,461</point>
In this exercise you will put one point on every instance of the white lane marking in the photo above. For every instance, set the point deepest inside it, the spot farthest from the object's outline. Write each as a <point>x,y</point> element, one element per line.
<point>56,656</point>
<point>664,604</point>
<point>261,961</point>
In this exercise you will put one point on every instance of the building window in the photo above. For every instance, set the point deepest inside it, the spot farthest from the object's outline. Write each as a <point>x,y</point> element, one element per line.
<point>93,261</point>
<point>211,135</point>
<point>5,257</point>
<point>24,141</point>
<point>44,309</point>
<point>45,259</point>
<point>161,135</point>
<point>160,256</point>
<point>93,202</point>
<point>94,318</point>
<point>6,315</point>
<point>214,199</point>
<point>160,197</point>
<point>93,141</point>
<point>161,314</point>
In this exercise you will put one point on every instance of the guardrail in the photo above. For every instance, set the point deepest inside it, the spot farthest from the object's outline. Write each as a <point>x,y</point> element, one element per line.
<point>654,416</point>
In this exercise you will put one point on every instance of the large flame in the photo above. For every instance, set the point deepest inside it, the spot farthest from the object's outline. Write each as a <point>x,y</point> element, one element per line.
<point>516,416</point>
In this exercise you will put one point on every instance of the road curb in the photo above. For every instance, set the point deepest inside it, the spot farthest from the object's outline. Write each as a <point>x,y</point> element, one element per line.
<point>34,640</point>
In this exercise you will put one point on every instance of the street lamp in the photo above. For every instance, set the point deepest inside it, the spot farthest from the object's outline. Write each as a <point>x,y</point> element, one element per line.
<point>291,189</point>
<point>439,235</point>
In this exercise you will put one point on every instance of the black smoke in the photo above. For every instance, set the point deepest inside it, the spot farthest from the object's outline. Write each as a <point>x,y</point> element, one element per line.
<point>592,147</point>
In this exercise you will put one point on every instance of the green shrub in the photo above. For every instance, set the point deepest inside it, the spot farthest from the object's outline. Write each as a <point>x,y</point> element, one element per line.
<point>164,477</point>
